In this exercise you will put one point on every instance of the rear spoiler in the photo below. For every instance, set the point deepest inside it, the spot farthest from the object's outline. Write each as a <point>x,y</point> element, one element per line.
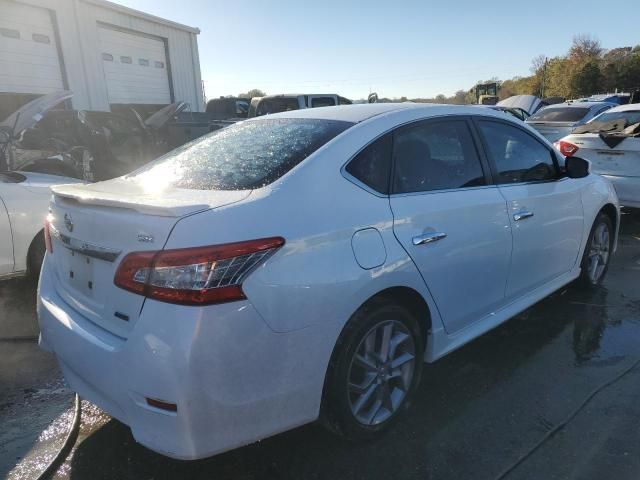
<point>143,203</point>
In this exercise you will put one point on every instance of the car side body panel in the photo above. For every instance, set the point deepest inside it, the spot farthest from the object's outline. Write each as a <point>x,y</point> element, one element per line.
<point>554,232</point>
<point>6,238</point>
<point>27,204</point>
<point>318,231</point>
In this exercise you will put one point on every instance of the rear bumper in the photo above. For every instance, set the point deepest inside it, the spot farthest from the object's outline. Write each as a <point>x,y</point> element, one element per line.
<point>627,189</point>
<point>233,379</point>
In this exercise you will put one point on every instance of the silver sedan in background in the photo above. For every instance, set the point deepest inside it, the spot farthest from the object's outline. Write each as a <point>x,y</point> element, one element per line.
<point>557,121</point>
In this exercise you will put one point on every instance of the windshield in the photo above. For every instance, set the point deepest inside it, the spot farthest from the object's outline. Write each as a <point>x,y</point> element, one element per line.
<point>560,114</point>
<point>628,117</point>
<point>243,156</point>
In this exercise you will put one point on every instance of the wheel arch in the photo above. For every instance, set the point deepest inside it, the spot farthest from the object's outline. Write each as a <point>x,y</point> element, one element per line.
<point>403,296</point>
<point>409,298</point>
<point>612,212</point>
<point>38,237</point>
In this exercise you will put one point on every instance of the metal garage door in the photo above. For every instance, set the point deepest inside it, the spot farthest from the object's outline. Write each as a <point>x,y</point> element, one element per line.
<point>28,53</point>
<point>135,68</point>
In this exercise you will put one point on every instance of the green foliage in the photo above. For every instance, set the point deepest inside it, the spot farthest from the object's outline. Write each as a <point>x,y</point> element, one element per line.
<point>587,80</point>
<point>254,92</point>
<point>517,86</point>
<point>586,69</point>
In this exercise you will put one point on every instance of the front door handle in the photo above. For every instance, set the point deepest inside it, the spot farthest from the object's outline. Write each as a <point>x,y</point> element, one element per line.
<point>428,238</point>
<point>521,215</point>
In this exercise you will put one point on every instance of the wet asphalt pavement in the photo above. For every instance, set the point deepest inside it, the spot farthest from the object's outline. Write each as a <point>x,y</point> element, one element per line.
<point>477,411</point>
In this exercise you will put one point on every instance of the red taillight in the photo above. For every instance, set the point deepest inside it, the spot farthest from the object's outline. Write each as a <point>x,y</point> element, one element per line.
<point>131,264</point>
<point>567,149</point>
<point>47,235</point>
<point>194,276</point>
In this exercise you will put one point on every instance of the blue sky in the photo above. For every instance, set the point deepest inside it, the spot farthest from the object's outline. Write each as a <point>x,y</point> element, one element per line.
<point>396,48</point>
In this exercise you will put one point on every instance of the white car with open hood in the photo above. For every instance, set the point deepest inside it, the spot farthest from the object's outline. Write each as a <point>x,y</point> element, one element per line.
<point>304,265</point>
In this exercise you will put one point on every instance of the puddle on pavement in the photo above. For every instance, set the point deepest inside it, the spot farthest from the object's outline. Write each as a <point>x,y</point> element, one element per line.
<point>50,440</point>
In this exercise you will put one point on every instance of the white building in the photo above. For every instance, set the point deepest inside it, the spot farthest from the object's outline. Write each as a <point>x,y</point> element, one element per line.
<point>108,55</point>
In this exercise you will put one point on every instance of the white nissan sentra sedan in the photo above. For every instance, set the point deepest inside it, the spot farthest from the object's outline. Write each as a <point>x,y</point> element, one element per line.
<point>302,266</point>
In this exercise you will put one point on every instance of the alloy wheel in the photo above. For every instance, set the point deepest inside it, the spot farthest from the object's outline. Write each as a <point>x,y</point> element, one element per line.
<point>598,257</point>
<point>381,372</point>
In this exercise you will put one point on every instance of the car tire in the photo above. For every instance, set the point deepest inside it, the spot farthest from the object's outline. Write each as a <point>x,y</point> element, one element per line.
<point>364,391</point>
<point>35,257</point>
<point>597,252</point>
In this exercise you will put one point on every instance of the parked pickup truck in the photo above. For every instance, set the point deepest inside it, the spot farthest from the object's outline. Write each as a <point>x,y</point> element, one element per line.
<point>223,112</point>
<point>284,103</point>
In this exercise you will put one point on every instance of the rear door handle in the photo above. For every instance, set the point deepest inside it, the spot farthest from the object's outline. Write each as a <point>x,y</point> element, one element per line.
<point>521,215</point>
<point>428,238</point>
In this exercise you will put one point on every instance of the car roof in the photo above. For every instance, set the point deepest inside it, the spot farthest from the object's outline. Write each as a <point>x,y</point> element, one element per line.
<point>626,108</point>
<point>580,104</point>
<point>295,95</point>
<point>363,111</point>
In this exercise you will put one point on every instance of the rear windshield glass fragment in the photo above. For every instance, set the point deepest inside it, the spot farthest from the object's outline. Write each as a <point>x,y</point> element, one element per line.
<point>243,156</point>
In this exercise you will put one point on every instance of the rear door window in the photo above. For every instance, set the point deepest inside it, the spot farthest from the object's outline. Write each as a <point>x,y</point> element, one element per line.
<point>372,165</point>
<point>432,156</point>
<point>516,155</point>
<point>242,156</point>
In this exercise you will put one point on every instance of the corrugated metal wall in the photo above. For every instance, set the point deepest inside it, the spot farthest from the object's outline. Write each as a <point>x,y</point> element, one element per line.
<point>78,21</point>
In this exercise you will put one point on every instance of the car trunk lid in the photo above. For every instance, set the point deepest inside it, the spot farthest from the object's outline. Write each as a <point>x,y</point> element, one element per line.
<point>95,226</point>
<point>553,131</point>
<point>622,160</point>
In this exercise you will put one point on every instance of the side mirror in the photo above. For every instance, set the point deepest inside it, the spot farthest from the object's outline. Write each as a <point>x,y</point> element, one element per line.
<point>577,167</point>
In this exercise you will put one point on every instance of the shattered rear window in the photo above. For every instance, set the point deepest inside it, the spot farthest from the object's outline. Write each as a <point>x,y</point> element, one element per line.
<point>244,156</point>
<point>626,117</point>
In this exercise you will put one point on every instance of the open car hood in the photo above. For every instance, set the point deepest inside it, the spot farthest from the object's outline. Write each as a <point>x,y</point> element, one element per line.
<point>162,116</point>
<point>528,103</point>
<point>31,113</point>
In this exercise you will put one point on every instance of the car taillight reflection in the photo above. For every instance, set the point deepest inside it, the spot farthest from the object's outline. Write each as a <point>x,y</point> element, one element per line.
<point>47,234</point>
<point>567,149</point>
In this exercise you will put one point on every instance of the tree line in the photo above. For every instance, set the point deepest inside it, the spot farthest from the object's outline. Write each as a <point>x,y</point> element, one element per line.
<point>585,69</point>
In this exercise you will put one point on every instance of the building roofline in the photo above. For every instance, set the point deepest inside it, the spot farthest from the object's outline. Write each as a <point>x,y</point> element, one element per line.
<point>143,15</point>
